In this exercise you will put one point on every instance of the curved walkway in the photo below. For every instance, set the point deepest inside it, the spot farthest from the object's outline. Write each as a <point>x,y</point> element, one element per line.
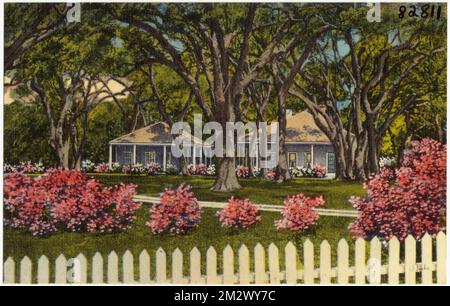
<point>264,207</point>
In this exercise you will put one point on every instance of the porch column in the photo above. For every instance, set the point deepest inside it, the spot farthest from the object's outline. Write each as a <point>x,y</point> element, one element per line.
<point>134,154</point>
<point>312,156</point>
<point>257,156</point>
<point>164,158</point>
<point>193,155</point>
<point>110,156</point>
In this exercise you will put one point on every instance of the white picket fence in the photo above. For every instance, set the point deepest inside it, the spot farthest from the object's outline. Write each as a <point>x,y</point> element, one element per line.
<point>251,268</point>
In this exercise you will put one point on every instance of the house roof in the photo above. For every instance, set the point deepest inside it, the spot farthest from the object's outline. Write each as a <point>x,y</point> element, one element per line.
<point>301,127</point>
<point>156,133</point>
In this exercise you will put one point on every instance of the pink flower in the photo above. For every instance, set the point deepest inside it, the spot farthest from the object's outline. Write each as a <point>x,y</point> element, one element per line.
<point>409,200</point>
<point>177,212</point>
<point>299,212</point>
<point>239,214</point>
<point>101,168</point>
<point>242,171</point>
<point>319,171</point>
<point>66,200</point>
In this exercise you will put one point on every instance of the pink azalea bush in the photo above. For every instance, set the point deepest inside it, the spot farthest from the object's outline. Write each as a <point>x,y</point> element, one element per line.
<point>239,214</point>
<point>299,212</point>
<point>101,168</point>
<point>200,169</point>
<point>409,200</point>
<point>153,168</point>
<point>177,212</point>
<point>126,169</point>
<point>319,171</point>
<point>271,174</point>
<point>242,171</point>
<point>66,200</point>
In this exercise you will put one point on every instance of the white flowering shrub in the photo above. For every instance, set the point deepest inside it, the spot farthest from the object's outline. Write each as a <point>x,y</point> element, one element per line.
<point>87,166</point>
<point>256,172</point>
<point>388,162</point>
<point>211,170</point>
<point>171,169</point>
<point>137,169</point>
<point>115,167</point>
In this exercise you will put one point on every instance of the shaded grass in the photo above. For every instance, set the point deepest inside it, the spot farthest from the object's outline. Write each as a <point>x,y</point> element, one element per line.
<point>336,193</point>
<point>18,244</point>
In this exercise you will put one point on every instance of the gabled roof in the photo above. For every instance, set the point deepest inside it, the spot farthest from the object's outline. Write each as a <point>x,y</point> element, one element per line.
<point>301,127</point>
<point>157,133</point>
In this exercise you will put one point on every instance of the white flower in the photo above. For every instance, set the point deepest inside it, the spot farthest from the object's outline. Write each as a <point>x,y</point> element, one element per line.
<point>211,170</point>
<point>256,171</point>
<point>386,162</point>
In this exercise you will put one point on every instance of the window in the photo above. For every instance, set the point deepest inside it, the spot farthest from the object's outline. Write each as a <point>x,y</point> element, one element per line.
<point>307,159</point>
<point>127,157</point>
<point>149,157</point>
<point>292,159</point>
<point>331,162</point>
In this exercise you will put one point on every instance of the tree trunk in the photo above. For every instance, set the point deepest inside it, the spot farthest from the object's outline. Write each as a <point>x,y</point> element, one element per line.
<point>183,166</point>
<point>359,161</point>
<point>282,167</point>
<point>226,179</point>
<point>372,146</point>
<point>63,152</point>
<point>339,154</point>
<point>77,165</point>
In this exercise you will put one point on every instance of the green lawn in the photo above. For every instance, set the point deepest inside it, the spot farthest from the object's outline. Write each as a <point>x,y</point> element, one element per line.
<point>209,233</point>
<point>336,193</point>
<point>18,244</point>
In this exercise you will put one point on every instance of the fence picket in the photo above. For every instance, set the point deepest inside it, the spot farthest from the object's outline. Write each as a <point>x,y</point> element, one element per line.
<point>360,261</point>
<point>427,275</point>
<point>410,260</point>
<point>82,270</point>
<point>308,262</point>
<point>393,262</point>
<point>177,267</point>
<point>75,269</point>
<point>113,268</point>
<point>441,258</point>
<point>274,267</point>
<point>228,265</point>
<point>25,270</point>
<point>374,266</point>
<point>97,268</point>
<point>290,252</point>
<point>325,263</point>
<point>161,266</point>
<point>61,270</point>
<point>260,264</point>
<point>128,268</point>
<point>9,271</point>
<point>342,262</point>
<point>43,270</point>
<point>244,265</point>
<point>144,267</point>
<point>211,266</point>
<point>195,267</point>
